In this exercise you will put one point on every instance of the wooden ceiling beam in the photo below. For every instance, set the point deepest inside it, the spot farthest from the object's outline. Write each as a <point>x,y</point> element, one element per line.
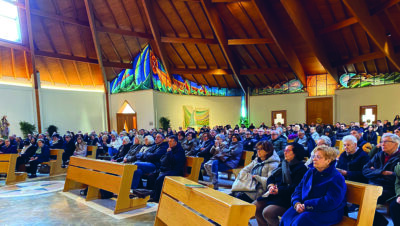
<point>14,46</point>
<point>216,24</point>
<point>201,71</point>
<point>156,32</point>
<point>117,65</point>
<point>361,58</point>
<point>384,6</point>
<point>338,26</point>
<point>56,17</point>
<point>124,32</point>
<point>188,40</point>
<point>250,41</point>
<point>281,39</point>
<point>300,19</point>
<point>265,71</point>
<point>374,28</point>
<point>66,57</point>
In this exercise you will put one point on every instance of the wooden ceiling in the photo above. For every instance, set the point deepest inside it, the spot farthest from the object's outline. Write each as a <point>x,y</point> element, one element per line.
<point>222,43</point>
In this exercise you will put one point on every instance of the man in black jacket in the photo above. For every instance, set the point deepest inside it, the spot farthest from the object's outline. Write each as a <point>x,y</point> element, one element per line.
<point>69,148</point>
<point>380,170</point>
<point>149,161</point>
<point>172,164</point>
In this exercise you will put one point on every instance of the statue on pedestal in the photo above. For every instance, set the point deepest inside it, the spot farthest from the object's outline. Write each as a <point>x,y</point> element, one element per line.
<point>4,124</point>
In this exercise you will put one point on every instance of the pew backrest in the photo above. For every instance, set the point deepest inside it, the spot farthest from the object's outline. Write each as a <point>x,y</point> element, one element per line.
<point>181,204</point>
<point>194,163</point>
<point>93,151</point>
<point>7,166</point>
<point>366,196</point>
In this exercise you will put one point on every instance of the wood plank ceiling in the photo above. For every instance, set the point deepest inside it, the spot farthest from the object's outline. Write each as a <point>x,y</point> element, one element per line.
<point>222,43</point>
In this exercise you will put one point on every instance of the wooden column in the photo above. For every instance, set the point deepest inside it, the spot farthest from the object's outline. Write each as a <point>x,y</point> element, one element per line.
<point>35,80</point>
<point>92,23</point>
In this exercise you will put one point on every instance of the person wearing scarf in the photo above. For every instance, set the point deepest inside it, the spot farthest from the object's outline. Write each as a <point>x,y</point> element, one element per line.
<point>280,186</point>
<point>258,171</point>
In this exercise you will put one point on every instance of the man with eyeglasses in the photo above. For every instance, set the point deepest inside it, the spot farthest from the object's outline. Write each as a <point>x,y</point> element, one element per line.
<point>279,143</point>
<point>380,171</point>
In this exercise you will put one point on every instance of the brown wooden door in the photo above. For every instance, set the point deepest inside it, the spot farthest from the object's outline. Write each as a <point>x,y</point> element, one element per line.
<point>278,116</point>
<point>320,110</point>
<point>368,114</point>
<point>126,120</point>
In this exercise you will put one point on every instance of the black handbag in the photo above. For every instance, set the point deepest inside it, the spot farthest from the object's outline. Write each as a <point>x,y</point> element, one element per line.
<point>44,169</point>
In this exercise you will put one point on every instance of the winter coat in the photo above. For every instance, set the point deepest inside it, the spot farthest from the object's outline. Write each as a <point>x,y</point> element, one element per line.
<point>189,145</point>
<point>58,145</point>
<point>29,152</point>
<point>375,176</point>
<point>205,153</point>
<point>11,149</point>
<point>364,145</point>
<point>115,144</point>
<point>268,166</point>
<point>285,190</point>
<point>44,155</point>
<point>309,147</point>
<point>217,149</point>
<point>173,161</point>
<point>154,154</point>
<point>323,195</point>
<point>69,147</point>
<point>370,137</point>
<point>133,150</point>
<point>123,150</point>
<point>397,184</point>
<point>354,164</point>
<point>279,146</point>
<point>234,153</point>
<point>249,143</point>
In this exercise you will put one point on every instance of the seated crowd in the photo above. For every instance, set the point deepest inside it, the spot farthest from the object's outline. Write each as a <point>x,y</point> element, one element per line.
<point>296,173</point>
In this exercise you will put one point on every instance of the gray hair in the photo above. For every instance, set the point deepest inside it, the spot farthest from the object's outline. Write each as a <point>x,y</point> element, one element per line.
<point>350,138</point>
<point>301,131</point>
<point>140,138</point>
<point>276,131</point>
<point>393,137</point>
<point>126,138</point>
<point>150,139</point>
<point>326,140</point>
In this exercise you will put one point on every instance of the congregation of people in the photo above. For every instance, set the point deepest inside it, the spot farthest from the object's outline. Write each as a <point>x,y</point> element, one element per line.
<point>296,177</point>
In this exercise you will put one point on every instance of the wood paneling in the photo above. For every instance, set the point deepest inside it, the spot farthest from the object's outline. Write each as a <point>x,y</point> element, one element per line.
<point>129,119</point>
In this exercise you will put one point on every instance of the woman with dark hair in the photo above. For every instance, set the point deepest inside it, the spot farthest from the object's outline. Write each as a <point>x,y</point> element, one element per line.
<point>181,136</point>
<point>256,173</point>
<point>189,144</point>
<point>227,159</point>
<point>329,133</point>
<point>203,150</point>
<point>280,186</point>
<point>320,197</point>
<point>370,136</point>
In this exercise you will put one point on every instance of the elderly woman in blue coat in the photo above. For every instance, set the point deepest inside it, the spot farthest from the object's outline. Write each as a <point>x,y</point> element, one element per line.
<point>319,199</point>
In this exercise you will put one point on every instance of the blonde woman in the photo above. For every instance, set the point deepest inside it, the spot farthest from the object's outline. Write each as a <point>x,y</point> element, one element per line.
<point>320,197</point>
<point>80,147</point>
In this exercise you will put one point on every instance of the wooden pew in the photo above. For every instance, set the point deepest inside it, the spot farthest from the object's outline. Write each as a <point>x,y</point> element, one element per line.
<point>195,164</point>
<point>7,166</point>
<point>339,146</point>
<point>93,151</point>
<point>182,205</point>
<point>290,141</point>
<point>244,161</point>
<point>109,176</point>
<point>378,140</point>
<point>365,196</point>
<point>55,164</point>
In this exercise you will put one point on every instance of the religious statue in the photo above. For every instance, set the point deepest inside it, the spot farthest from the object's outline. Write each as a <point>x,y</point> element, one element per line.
<point>4,124</point>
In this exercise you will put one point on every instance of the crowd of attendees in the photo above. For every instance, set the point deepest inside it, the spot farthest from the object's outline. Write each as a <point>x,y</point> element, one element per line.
<point>279,180</point>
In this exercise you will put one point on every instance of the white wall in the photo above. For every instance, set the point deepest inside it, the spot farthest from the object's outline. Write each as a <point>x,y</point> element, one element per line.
<point>223,110</point>
<point>142,104</point>
<point>348,102</point>
<point>262,106</point>
<point>73,110</point>
<point>18,104</point>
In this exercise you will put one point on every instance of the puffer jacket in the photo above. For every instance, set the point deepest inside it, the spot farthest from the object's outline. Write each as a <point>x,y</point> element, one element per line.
<point>131,155</point>
<point>189,145</point>
<point>269,165</point>
<point>234,153</point>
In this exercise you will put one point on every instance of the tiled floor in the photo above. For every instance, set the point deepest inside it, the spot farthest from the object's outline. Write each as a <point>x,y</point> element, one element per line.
<point>56,209</point>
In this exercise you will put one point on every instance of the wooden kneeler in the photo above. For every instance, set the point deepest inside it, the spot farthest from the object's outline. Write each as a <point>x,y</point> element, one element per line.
<point>7,165</point>
<point>109,176</point>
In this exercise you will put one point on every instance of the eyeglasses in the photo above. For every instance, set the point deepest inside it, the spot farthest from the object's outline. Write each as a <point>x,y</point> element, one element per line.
<point>317,157</point>
<point>387,141</point>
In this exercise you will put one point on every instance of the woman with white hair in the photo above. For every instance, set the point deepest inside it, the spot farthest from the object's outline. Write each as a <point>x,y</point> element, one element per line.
<point>135,148</point>
<point>123,149</point>
<point>352,160</point>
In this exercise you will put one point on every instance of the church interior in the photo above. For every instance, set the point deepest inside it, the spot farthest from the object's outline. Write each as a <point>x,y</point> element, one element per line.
<point>155,112</point>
